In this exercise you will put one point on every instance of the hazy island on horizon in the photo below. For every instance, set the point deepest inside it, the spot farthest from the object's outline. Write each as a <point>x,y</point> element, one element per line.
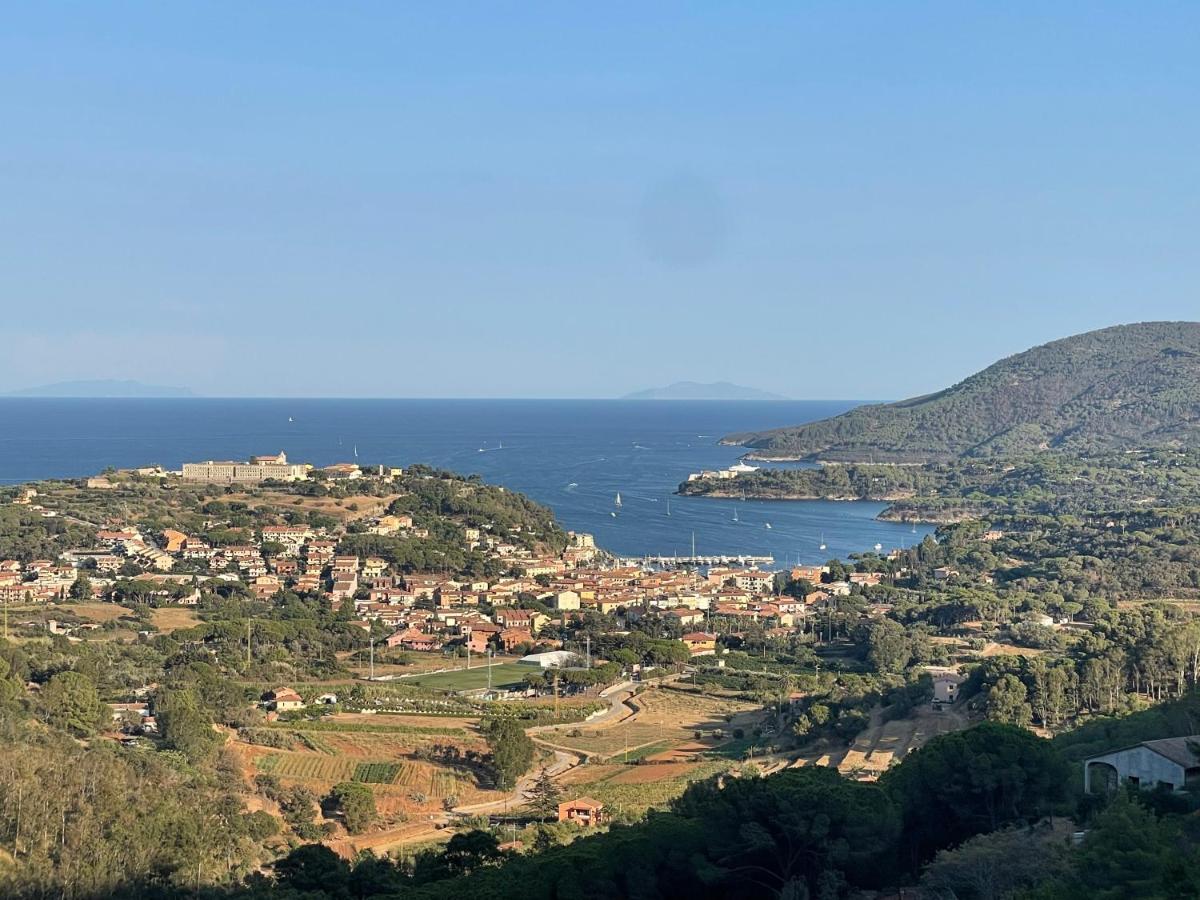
<point>100,389</point>
<point>695,390</point>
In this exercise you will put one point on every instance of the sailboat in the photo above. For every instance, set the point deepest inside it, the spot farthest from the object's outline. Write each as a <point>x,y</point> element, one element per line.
<point>822,546</point>
<point>617,501</point>
<point>735,518</point>
<point>668,506</point>
<point>767,525</point>
<point>290,419</point>
<point>356,451</point>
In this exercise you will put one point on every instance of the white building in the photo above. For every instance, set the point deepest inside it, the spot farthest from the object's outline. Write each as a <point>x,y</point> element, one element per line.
<point>1168,761</point>
<point>551,659</point>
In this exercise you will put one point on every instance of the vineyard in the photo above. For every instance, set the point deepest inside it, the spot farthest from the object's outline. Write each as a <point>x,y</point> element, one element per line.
<point>377,772</point>
<point>307,766</point>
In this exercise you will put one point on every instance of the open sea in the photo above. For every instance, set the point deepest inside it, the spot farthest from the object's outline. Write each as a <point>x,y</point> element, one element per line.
<point>572,455</point>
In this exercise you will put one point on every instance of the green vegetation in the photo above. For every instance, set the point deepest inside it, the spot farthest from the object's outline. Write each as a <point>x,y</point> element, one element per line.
<point>511,749</point>
<point>1126,386</point>
<point>503,675</point>
<point>377,772</point>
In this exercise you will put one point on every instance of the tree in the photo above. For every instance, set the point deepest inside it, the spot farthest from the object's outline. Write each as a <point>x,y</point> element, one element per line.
<point>314,867</point>
<point>81,588</point>
<point>545,796</point>
<point>889,646</point>
<point>962,784</point>
<point>356,803</point>
<point>996,865</point>
<point>183,726</point>
<point>512,751</point>
<point>69,701</point>
<point>1007,702</point>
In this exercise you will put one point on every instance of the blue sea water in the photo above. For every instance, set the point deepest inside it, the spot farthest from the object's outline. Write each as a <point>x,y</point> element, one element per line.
<point>572,455</point>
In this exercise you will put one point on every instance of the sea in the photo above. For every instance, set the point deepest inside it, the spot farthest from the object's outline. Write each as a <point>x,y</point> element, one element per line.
<point>575,456</point>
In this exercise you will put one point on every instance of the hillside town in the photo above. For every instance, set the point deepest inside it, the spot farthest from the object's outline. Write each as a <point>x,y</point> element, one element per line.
<point>427,611</point>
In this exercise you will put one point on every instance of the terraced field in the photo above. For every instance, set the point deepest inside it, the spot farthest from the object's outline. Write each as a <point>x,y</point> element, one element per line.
<point>667,717</point>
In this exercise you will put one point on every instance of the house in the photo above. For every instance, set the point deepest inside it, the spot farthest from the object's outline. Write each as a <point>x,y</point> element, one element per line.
<point>282,699</point>
<point>866,579</point>
<point>411,639</point>
<point>1173,762</point>
<point>174,541</point>
<point>565,600</point>
<point>584,811</point>
<point>945,685</point>
<point>700,643</point>
<point>511,638</point>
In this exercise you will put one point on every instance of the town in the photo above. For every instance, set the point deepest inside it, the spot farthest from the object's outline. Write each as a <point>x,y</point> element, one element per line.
<point>390,660</point>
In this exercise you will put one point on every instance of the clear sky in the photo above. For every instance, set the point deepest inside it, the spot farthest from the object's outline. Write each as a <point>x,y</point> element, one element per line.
<point>826,200</point>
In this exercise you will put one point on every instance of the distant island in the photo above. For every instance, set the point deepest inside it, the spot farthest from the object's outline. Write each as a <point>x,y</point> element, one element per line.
<point>694,390</point>
<point>1119,388</point>
<point>101,388</point>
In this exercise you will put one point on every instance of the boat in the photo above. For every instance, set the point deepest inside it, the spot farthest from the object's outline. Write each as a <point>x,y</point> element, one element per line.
<point>878,547</point>
<point>668,506</point>
<point>617,501</point>
<point>822,544</point>
<point>767,525</point>
<point>613,514</point>
<point>735,518</point>
<point>290,419</point>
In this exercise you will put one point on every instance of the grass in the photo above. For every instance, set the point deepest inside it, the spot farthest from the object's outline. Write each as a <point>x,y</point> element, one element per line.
<point>173,618</point>
<point>363,728</point>
<point>505,675</point>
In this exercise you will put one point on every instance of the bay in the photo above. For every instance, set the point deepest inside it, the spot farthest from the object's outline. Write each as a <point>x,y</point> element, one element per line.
<point>572,455</point>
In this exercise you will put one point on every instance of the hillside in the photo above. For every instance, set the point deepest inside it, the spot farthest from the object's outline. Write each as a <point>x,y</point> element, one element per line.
<point>1125,386</point>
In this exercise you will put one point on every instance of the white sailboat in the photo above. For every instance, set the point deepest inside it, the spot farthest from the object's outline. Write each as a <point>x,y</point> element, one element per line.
<point>822,545</point>
<point>617,501</point>
<point>668,506</point>
<point>767,525</point>
<point>735,518</point>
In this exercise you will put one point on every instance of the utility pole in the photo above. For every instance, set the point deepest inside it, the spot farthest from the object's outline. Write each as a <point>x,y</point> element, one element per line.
<point>588,658</point>
<point>371,644</point>
<point>248,623</point>
<point>489,658</point>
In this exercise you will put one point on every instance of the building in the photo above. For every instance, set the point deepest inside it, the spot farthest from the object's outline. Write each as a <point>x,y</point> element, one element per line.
<point>1173,762</point>
<point>283,699</point>
<point>584,811</point>
<point>565,600</point>
<point>700,643</point>
<point>261,468</point>
<point>551,659</point>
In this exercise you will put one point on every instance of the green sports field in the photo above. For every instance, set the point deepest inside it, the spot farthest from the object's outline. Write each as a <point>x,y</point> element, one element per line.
<point>504,675</point>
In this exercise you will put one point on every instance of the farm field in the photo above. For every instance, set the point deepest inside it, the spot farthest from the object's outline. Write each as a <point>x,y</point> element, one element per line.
<point>667,718</point>
<point>633,789</point>
<point>504,675</point>
<point>383,752</point>
<point>172,618</point>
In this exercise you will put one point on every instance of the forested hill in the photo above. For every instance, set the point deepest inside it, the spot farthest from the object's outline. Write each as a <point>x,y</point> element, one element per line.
<point>1125,386</point>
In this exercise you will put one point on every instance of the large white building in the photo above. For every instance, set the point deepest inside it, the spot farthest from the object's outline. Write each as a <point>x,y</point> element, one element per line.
<point>260,468</point>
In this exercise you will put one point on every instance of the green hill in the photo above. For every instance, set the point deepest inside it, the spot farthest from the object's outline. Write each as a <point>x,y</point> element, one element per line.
<point>1125,386</point>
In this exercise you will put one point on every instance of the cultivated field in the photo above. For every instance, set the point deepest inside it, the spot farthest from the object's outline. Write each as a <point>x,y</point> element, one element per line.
<point>666,718</point>
<point>388,753</point>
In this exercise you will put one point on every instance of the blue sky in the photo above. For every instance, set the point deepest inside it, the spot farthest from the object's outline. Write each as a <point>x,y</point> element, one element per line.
<point>842,200</point>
